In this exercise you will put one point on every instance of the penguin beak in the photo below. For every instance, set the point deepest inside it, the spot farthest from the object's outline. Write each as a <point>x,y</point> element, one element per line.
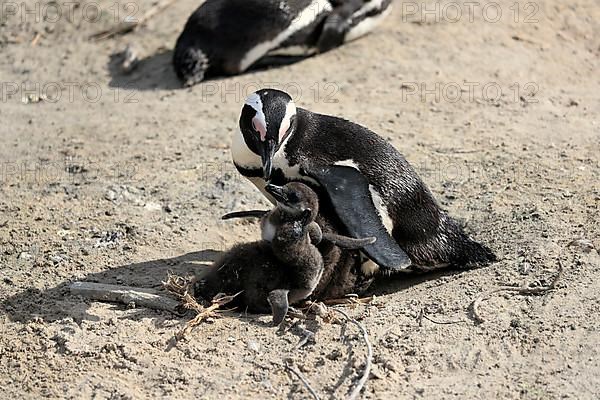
<point>268,151</point>
<point>277,192</point>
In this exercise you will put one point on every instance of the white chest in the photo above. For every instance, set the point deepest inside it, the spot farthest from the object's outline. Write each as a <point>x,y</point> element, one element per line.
<point>268,230</point>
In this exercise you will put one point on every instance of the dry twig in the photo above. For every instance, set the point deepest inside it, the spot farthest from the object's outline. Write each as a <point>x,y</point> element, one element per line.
<point>127,27</point>
<point>368,362</point>
<point>36,39</point>
<point>526,291</point>
<point>422,315</point>
<point>350,299</point>
<point>143,297</point>
<point>182,287</point>
<point>190,302</point>
<point>304,381</point>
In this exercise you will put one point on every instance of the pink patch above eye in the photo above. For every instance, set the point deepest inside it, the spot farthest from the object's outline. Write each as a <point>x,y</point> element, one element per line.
<point>260,128</point>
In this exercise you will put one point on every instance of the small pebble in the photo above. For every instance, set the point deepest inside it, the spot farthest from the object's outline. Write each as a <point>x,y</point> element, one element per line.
<point>252,345</point>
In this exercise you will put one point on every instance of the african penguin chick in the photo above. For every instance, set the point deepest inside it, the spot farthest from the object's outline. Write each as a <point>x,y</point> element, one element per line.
<point>271,219</point>
<point>283,268</point>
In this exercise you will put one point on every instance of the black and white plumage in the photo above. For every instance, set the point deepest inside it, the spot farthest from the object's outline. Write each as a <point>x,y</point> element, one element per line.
<point>360,177</point>
<point>286,266</point>
<point>226,37</point>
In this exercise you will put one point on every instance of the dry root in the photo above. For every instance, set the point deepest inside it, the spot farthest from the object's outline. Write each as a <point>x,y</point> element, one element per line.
<point>303,379</point>
<point>130,26</point>
<point>526,291</point>
<point>327,314</point>
<point>321,310</point>
<point>350,299</point>
<point>182,287</point>
<point>423,315</point>
<point>369,360</point>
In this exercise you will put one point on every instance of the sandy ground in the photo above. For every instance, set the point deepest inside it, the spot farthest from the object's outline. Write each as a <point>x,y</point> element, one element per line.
<point>123,177</point>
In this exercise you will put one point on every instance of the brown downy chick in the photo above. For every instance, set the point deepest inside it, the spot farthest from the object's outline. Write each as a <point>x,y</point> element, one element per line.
<point>283,268</point>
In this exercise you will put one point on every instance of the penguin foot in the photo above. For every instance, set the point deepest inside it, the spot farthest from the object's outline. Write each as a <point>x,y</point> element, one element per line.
<point>278,299</point>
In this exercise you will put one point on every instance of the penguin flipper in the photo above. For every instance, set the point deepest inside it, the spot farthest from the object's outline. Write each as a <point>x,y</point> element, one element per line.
<point>278,299</point>
<point>349,192</point>
<point>346,242</point>
<point>337,24</point>
<point>245,214</point>
<point>315,233</point>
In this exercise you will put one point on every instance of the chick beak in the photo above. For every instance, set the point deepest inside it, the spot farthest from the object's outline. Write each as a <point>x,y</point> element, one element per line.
<point>277,192</point>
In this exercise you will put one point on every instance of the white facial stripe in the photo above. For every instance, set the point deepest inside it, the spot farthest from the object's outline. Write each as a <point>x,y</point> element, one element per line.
<point>290,111</point>
<point>255,102</point>
<point>366,25</point>
<point>280,161</point>
<point>368,7</point>
<point>305,18</point>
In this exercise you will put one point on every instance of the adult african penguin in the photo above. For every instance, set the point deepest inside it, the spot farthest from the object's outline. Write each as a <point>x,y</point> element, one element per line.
<point>226,37</point>
<point>367,183</point>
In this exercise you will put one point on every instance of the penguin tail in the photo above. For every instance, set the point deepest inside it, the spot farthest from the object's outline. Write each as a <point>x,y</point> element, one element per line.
<point>190,63</point>
<point>466,253</point>
<point>473,255</point>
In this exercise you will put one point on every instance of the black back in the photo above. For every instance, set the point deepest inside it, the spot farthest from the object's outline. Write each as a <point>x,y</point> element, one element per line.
<point>425,232</point>
<point>225,30</point>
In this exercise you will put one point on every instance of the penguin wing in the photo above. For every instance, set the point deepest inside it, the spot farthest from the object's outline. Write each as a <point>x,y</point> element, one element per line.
<point>349,192</point>
<point>245,214</point>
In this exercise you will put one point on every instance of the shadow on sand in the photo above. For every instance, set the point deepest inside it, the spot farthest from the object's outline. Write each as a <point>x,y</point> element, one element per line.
<point>58,303</point>
<point>156,72</point>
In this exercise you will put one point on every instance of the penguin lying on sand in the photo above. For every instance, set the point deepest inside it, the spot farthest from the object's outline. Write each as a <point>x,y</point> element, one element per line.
<point>361,178</point>
<point>226,37</point>
<point>283,268</point>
